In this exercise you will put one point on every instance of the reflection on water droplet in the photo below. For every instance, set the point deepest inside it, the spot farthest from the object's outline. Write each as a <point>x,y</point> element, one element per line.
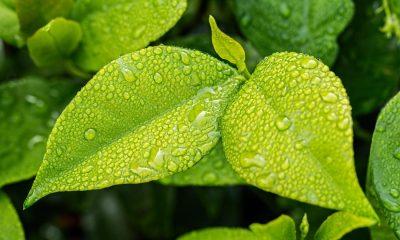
<point>90,134</point>
<point>185,58</point>
<point>391,205</point>
<point>158,78</point>
<point>267,181</point>
<point>329,97</point>
<point>283,123</point>
<point>156,158</point>
<point>309,63</point>
<point>252,159</point>
<point>35,140</point>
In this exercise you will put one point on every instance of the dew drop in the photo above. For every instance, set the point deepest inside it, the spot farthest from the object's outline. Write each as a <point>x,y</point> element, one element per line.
<point>396,153</point>
<point>90,134</point>
<point>156,158</point>
<point>34,141</point>
<point>329,97</point>
<point>251,159</point>
<point>309,63</point>
<point>127,74</point>
<point>284,10</point>
<point>158,78</point>
<point>394,193</point>
<point>283,123</point>
<point>209,177</point>
<point>390,205</point>
<point>185,58</point>
<point>342,125</point>
<point>267,181</point>
<point>245,20</point>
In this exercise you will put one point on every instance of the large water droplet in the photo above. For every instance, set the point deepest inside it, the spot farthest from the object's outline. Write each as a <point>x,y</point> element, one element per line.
<point>185,58</point>
<point>394,193</point>
<point>390,205</point>
<point>267,181</point>
<point>251,159</point>
<point>329,97</point>
<point>158,78</point>
<point>283,123</point>
<point>156,158</point>
<point>90,134</point>
<point>309,63</point>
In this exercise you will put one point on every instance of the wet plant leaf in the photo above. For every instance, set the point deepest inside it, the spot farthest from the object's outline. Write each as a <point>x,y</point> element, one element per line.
<point>383,178</point>
<point>113,28</point>
<point>282,228</point>
<point>28,109</point>
<point>339,224</point>
<point>54,43</point>
<point>9,25</point>
<point>212,170</point>
<point>142,117</point>
<point>304,227</point>
<point>289,131</point>
<point>34,14</point>
<point>309,27</point>
<point>10,225</point>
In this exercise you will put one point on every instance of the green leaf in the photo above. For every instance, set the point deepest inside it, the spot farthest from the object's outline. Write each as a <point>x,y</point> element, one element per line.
<point>339,224</point>
<point>383,179</point>
<point>34,14</point>
<point>392,18</point>
<point>113,28</point>
<point>289,131</point>
<point>9,25</point>
<point>309,27</point>
<point>304,227</point>
<point>10,225</point>
<point>55,42</point>
<point>28,108</point>
<point>282,228</point>
<point>227,48</point>
<point>142,117</point>
<point>382,232</point>
<point>370,74</point>
<point>212,170</point>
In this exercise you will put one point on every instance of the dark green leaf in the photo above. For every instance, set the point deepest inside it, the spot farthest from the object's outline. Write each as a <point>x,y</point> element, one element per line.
<point>10,226</point>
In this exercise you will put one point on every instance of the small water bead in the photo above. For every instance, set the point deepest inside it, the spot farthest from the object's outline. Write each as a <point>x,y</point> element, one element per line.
<point>267,181</point>
<point>158,78</point>
<point>394,193</point>
<point>309,63</point>
<point>90,134</point>
<point>396,153</point>
<point>209,177</point>
<point>390,205</point>
<point>329,97</point>
<point>284,10</point>
<point>342,125</point>
<point>283,123</point>
<point>185,58</point>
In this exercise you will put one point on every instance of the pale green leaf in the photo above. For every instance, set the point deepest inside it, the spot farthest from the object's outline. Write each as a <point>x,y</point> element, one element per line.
<point>54,43</point>
<point>9,26</point>
<point>142,117</point>
<point>10,226</point>
<point>212,170</point>
<point>113,28</point>
<point>227,48</point>
<point>304,227</point>
<point>289,131</point>
<point>282,228</point>
<point>339,224</point>
<point>34,14</point>
<point>383,179</point>
<point>28,109</point>
<point>291,25</point>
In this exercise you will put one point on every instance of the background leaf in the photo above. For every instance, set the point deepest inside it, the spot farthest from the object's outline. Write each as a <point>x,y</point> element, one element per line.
<point>302,150</point>
<point>143,117</point>
<point>340,223</point>
<point>9,25</point>
<point>113,28</point>
<point>383,179</point>
<point>9,223</point>
<point>309,27</point>
<point>54,43</point>
<point>212,170</point>
<point>28,109</point>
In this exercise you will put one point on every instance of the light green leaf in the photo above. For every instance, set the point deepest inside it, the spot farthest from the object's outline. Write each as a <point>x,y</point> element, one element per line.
<point>304,227</point>
<point>28,109</point>
<point>228,48</point>
<point>34,14</point>
<point>383,179</point>
<point>339,224</point>
<point>54,43</point>
<point>142,117</point>
<point>282,228</point>
<point>212,170</point>
<point>113,28</point>
<point>289,131</point>
<point>10,225</point>
<point>9,25</point>
<point>290,25</point>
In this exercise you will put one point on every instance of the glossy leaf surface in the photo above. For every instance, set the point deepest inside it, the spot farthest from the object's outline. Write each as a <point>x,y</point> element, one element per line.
<point>289,131</point>
<point>9,25</point>
<point>54,43</point>
<point>309,27</point>
<point>212,170</point>
<point>384,165</point>
<point>142,117</point>
<point>113,28</point>
<point>28,109</point>
<point>10,225</point>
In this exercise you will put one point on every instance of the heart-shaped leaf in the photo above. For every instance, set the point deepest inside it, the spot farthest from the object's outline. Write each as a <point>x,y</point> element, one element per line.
<point>28,109</point>
<point>142,117</point>
<point>212,170</point>
<point>53,43</point>
<point>303,26</point>
<point>113,28</point>
<point>383,179</point>
<point>289,131</point>
<point>10,225</point>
